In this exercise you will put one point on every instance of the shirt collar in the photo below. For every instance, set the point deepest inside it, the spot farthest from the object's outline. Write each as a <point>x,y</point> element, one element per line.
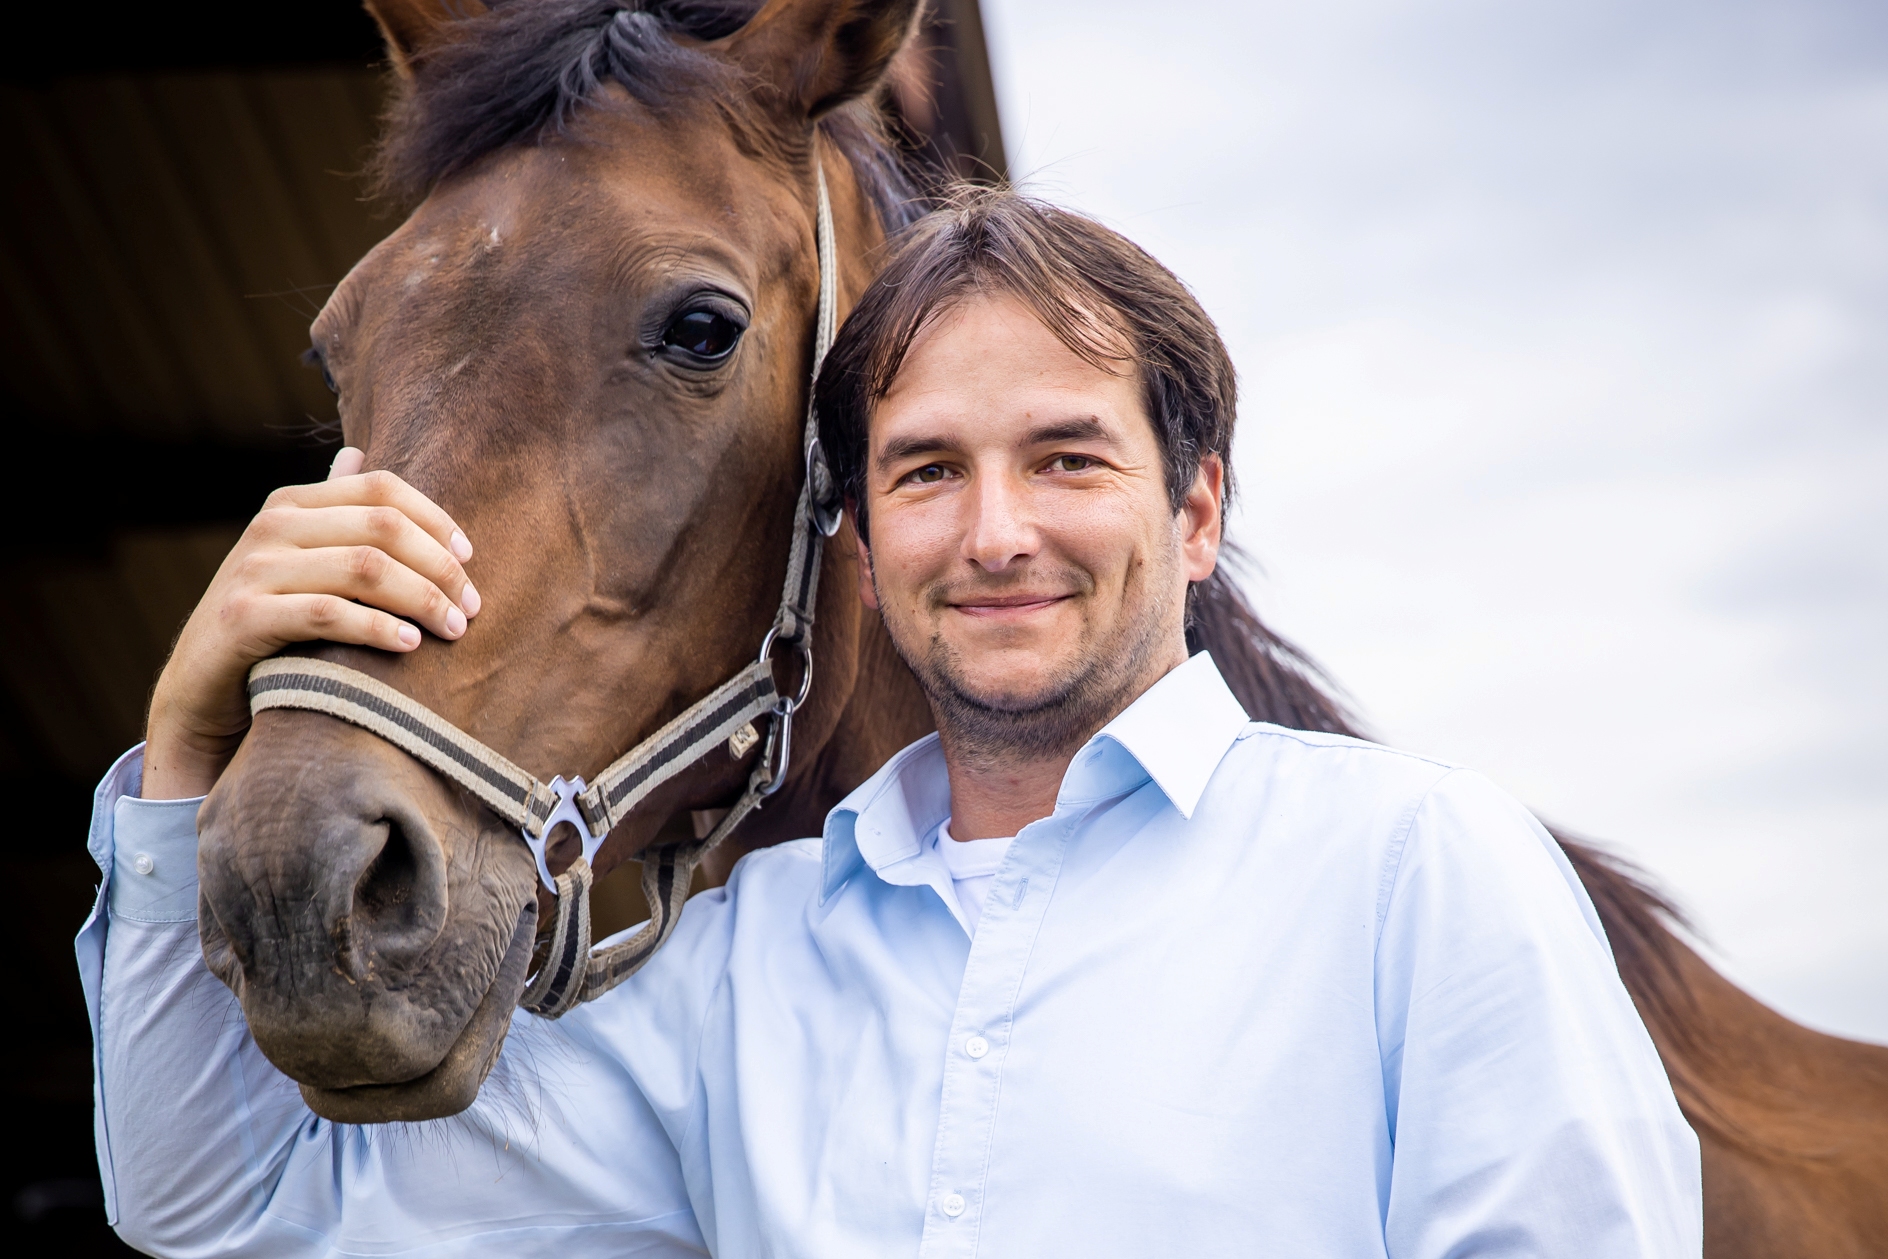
<point>1175,734</point>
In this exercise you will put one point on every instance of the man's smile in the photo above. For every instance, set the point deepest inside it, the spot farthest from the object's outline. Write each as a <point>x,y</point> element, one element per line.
<point>1010,607</point>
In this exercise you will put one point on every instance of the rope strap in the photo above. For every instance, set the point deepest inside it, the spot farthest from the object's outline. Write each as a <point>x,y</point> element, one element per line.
<point>514,793</point>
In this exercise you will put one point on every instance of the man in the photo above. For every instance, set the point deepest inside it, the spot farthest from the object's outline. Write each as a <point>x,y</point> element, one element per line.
<point>1101,969</point>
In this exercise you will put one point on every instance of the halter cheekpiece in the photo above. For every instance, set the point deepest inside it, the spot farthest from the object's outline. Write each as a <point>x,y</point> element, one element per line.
<point>726,717</point>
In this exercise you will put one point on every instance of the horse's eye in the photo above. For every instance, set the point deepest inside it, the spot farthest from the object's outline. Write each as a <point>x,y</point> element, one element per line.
<point>707,335</point>
<point>315,358</point>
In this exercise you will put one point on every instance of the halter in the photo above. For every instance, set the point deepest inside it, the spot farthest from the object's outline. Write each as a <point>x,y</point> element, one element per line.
<point>573,972</point>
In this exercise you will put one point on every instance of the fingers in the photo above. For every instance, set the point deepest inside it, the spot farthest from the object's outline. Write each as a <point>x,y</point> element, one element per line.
<point>365,573</point>
<point>348,461</point>
<point>276,620</point>
<point>378,488</point>
<point>385,530</point>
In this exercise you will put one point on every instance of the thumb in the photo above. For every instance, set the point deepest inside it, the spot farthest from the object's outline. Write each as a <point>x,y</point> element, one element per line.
<point>348,461</point>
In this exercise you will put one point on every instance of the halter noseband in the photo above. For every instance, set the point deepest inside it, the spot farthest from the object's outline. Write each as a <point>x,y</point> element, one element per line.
<point>572,972</point>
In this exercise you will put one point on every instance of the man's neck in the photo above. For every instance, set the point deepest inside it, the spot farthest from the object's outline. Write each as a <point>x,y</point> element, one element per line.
<point>991,800</point>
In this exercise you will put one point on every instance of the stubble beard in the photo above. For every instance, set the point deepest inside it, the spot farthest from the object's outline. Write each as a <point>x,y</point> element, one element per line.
<point>1100,680</point>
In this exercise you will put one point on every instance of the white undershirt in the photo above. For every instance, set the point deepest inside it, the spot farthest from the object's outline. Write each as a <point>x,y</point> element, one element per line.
<point>972,863</point>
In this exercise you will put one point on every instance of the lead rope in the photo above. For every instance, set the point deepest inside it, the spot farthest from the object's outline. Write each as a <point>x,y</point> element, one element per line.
<point>572,971</point>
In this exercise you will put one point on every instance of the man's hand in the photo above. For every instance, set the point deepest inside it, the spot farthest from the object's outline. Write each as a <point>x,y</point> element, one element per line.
<point>343,560</point>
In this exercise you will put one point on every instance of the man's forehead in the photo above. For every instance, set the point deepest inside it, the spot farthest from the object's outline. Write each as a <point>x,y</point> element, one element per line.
<point>1070,334</point>
<point>994,370</point>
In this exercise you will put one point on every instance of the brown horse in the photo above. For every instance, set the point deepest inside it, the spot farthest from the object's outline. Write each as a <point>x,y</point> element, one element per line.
<point>590,342</point>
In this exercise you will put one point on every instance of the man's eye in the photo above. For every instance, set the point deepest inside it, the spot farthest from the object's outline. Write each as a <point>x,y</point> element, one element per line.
<point>706,335</point>
<point>1072,463</point>
<point>929,474</point>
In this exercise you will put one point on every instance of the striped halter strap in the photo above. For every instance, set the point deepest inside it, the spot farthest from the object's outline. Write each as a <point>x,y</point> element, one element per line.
<point>572,971</point>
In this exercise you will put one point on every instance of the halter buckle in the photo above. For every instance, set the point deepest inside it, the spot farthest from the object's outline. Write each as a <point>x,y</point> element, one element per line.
<point>566,811</point>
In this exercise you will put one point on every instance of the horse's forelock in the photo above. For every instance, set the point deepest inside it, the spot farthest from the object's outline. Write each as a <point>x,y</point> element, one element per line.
<point>519,71</point>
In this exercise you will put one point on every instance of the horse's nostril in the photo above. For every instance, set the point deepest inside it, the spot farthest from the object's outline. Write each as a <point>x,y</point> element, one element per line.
<point>400,898</point>
<point>385,890</point>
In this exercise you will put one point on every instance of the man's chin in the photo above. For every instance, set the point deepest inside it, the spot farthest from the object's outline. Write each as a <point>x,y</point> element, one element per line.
<point>1019,693</point>
<point>1015,708</point>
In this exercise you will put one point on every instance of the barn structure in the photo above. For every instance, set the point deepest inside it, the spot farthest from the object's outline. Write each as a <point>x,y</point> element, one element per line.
<point>181,196</point>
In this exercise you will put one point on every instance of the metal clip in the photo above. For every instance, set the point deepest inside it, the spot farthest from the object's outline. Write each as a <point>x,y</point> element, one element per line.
<point>779,750</point>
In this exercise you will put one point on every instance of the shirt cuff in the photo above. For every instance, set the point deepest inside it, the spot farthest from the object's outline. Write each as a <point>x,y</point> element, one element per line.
<point>154,859</point>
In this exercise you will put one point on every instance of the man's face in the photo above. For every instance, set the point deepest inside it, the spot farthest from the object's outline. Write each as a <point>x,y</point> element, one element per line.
<point>1025,554</point>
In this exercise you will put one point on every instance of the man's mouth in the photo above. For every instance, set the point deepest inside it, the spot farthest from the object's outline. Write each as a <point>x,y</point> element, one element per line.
<point>1007,607</point>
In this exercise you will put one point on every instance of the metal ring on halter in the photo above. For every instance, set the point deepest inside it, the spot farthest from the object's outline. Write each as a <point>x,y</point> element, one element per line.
<point>784,706</point>
<point>822,497</point>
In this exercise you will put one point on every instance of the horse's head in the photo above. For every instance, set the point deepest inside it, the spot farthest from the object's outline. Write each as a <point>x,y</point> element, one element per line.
<point>590,343</point>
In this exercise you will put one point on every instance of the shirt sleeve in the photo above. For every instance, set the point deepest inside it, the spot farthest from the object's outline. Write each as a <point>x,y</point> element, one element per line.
<point>205,1148</point>
<point>1530,1114</point>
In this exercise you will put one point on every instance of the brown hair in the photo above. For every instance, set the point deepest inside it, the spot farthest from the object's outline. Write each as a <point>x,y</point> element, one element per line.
<point>1100,293</point>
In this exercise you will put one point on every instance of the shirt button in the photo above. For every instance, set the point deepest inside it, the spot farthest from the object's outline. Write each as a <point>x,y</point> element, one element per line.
<point>976,1046</point>
<point>143,864</point>
<point>953,1205</point>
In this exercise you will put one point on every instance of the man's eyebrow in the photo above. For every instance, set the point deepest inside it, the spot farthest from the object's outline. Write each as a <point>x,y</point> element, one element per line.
<point>1087,428</point>
<point>900,449</point>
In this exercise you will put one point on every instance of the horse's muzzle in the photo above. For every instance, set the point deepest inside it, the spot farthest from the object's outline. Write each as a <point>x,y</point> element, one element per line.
<point>374,921</point>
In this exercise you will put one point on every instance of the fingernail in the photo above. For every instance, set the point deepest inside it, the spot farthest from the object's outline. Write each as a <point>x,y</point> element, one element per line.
<point>409,637</point>
<point>470,601</point>
<point>461,548</point>
<point>455,622</point>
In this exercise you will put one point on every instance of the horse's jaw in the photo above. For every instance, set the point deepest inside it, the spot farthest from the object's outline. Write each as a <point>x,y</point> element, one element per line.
<point>454,1084</point>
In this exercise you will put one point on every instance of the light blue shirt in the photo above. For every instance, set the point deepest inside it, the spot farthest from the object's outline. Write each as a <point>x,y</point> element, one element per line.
<point>1247,991</point>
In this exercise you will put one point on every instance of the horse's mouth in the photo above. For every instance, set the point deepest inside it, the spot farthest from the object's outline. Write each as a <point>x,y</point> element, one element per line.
<point>451,1086</point>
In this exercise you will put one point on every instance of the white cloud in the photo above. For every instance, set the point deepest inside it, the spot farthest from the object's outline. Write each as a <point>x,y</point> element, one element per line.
<point>1563,406</point>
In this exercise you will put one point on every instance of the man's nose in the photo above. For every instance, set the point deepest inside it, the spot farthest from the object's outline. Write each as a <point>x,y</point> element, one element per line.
<point>1002,528</point>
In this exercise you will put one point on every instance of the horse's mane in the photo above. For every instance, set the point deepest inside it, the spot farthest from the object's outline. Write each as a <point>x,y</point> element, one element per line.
<point>1279,683</point>
<point>519,72</point>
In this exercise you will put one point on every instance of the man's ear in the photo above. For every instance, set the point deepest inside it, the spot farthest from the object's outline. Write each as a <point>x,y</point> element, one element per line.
<point>409,26</point>
<point>1202,519</point>
<point>812,56</point>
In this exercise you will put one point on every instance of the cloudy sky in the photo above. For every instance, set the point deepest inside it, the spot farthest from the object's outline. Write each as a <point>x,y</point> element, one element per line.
<point>1563,339</point>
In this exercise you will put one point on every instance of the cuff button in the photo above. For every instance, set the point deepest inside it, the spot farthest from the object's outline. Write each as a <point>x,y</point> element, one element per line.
<point>143,864</point>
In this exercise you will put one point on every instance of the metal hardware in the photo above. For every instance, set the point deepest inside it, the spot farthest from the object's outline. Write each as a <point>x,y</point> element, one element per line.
<point>822,492</point>
<point>566,811</point>
<point>779,751</point>
<point>784,706</point>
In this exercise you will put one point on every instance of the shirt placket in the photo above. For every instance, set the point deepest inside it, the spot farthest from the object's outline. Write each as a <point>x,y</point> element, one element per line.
<point>981,1034</point>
